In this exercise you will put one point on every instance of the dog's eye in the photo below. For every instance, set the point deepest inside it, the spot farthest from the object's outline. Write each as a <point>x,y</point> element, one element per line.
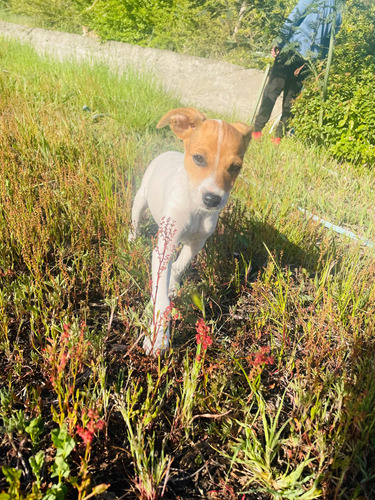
<point>199,160</point>
<point>234,169</point>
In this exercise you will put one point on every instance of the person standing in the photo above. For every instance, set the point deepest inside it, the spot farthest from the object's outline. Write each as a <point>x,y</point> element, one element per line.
<point>304,38</point>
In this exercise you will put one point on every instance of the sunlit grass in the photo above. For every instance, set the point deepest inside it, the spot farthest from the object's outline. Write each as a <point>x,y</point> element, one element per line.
<point>281,405</point>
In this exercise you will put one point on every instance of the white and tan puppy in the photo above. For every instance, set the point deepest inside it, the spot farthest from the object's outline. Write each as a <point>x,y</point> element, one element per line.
<point>185,193</point>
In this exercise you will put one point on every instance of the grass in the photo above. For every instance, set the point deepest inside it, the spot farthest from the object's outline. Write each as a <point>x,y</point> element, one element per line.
<point>64,17</point>
<point>279,405</point>
<point>10,17</point>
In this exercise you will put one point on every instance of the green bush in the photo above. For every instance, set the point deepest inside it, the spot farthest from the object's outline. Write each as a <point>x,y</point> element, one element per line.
<point>348,117</point>
<point>178,25</point>
<point>130,20</point>
<point>225,29</point>
<point>348,113</point>
<point>60,14</point>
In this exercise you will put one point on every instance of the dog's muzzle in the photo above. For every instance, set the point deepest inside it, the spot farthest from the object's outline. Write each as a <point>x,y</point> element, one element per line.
<point>211,200</point>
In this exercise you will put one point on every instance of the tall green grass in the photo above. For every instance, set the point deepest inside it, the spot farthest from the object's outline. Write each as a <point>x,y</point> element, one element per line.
<point>281,405</point>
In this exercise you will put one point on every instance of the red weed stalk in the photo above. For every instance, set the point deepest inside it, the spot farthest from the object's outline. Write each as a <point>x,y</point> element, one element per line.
<point>192,372</point>
<point>164,252</point>
<point>91,424</point>
<point>64,358</point>
<point>258,360</point>
<point>203,337</point>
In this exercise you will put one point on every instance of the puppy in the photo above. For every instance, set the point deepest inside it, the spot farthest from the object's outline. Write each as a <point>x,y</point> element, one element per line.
<point>185,193</point>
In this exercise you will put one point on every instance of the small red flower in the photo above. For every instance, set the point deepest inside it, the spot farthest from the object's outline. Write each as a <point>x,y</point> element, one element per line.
<point>94,424</point>
<point>86,435</point>
<point>262,357</point>
<point>203,334</point>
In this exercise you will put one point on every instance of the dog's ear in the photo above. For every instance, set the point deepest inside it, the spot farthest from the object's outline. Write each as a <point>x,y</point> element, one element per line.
<point>245,131</point>
<point>182,121</point>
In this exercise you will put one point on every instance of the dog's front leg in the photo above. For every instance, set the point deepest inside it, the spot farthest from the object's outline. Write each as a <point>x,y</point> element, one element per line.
<point>139,207</point>
<point>158,336</point>
<point>187,254</point>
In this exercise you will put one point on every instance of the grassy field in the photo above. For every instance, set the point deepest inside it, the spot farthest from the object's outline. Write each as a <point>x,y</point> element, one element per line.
<point>280,405</point>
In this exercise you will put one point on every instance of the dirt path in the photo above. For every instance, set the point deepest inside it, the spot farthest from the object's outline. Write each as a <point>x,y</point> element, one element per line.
<point>204,83</point>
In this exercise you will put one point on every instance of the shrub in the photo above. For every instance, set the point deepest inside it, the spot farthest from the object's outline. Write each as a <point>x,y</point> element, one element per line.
<point>130,21</point>
<point>59,14</point>
<point>348,114</point>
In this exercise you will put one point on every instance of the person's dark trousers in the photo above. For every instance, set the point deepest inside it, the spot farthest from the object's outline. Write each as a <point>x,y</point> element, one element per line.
<point>281,79</point>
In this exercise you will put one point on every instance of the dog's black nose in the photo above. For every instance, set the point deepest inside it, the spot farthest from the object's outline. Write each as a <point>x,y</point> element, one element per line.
<point>211,200</point>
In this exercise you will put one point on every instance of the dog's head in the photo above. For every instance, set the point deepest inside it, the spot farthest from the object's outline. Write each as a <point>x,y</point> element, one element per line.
<point>214,152</point>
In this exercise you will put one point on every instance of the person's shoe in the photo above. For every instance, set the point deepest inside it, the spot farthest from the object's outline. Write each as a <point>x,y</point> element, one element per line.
<point>256,136</point>
<point>276,140</point>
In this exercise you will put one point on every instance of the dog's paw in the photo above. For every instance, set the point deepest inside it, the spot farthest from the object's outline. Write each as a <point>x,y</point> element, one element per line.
<point>173,291</point>
<point>157,348</point>
<point>148,347</point>
<point>132,236</point>
<point>174,285</point>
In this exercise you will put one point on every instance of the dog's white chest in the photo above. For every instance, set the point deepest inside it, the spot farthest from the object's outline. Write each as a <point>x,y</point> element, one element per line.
<point>198,226</point>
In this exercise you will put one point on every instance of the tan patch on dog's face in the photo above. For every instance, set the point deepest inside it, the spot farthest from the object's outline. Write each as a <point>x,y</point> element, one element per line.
<point>215,151</point>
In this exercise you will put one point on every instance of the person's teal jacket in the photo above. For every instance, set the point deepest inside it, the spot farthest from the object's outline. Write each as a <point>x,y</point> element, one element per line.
<point>308,28</point>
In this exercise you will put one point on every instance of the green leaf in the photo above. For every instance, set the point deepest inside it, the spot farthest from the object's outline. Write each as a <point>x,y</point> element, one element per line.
<point>199,302</point>
<point>11,474</point>
<point>63,442</point>
<point>101,488</point>
<point>13,477</point>
<point>56,492</point>
<point>36,463</point>
<point>60,467</point>
<point>35,429</point>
